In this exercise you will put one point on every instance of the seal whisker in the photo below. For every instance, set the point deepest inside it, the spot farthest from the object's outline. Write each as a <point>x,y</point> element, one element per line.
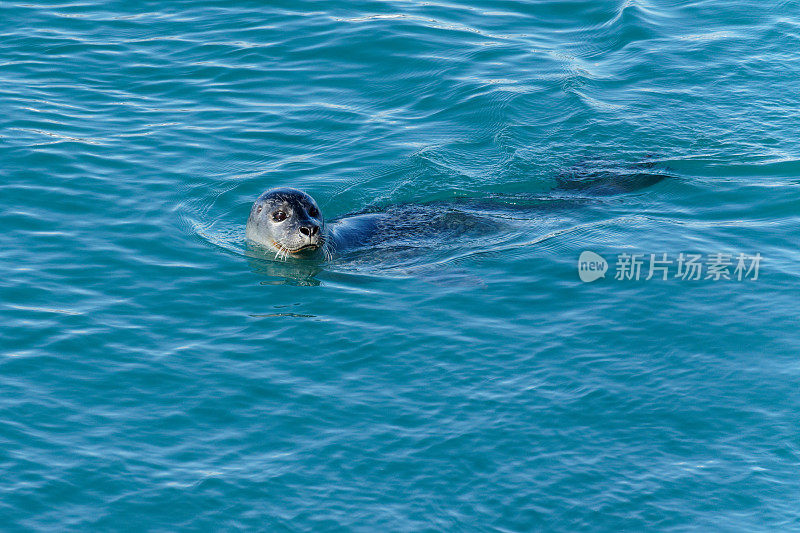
<point>330,249</point>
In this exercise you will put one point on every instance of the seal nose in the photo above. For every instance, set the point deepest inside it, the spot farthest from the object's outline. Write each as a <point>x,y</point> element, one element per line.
<point>309,231</point>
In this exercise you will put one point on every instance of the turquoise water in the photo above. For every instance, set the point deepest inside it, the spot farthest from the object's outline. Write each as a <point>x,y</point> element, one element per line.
<point>155,375</point>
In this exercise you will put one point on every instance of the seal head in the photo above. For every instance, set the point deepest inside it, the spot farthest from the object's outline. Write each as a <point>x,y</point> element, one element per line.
<point>287,222</point>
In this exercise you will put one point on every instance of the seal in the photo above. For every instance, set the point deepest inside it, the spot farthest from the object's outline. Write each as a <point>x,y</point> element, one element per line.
<point>287,222</point>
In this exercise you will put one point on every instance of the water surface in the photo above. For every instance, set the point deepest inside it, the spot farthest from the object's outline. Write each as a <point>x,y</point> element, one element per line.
<point>155,375</point>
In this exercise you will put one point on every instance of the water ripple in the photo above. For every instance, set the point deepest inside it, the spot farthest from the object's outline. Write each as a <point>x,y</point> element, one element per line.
<point>154,372</point>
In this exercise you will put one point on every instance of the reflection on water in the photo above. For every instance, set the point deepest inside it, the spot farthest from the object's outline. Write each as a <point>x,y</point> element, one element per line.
<point>300,272</point>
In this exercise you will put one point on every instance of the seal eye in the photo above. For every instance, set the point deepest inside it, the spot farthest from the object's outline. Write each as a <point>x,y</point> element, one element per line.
<point>278,216</point>
<point>313,211</point>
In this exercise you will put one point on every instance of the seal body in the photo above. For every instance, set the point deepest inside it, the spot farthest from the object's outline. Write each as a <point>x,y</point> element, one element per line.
<point>287,222</point>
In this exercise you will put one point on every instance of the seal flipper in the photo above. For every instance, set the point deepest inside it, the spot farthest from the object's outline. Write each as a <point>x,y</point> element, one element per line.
<point>609,182</point>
